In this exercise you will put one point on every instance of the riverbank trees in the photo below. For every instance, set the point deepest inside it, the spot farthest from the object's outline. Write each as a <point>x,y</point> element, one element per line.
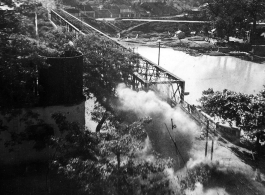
<point>231,18</point>
<point>254,10</point>
<point>226,16</point>
<point>247,111</point>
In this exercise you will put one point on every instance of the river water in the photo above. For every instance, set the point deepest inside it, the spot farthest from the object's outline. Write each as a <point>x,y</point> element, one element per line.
<point>203,72</point>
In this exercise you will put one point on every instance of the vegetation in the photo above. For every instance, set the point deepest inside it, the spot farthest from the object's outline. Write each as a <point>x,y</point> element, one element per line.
<point>255,11</point>
<point>22,53</point>
<point>226,16</point>
<point>18,60</point>
<point>115,159</point>
<point>232,18</point>
<point>109,163</point>
<point>247,111</point>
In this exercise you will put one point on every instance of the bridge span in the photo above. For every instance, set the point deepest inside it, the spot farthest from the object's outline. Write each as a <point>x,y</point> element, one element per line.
<point>147,75</point>
<point>173,21</point>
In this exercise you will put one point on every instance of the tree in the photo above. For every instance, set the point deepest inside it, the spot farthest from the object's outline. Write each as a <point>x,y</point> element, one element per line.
<point>18,71</point>
<point>10,3</point>
<point>226,16</point>
<point>104,68</point>
<point>19,58</point>
<point>248,111</point>
<point>110,162</point>
<point>254,10</point>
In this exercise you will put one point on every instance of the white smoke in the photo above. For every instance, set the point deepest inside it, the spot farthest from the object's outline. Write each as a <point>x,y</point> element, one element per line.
<point>191,153</point>
<point>199,190</point>
<point>145,152</point>
<point>149,104</point>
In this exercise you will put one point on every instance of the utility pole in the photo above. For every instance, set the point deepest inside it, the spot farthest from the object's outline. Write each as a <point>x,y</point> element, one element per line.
<point>207,131</point>
<point>212,149</point>
<point>36,20</point>
<point>158,51</point>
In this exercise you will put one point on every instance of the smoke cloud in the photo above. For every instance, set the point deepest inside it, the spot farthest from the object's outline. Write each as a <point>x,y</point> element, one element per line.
<point>199,190</point>
<point>191,152</point>
<point>149,104</point>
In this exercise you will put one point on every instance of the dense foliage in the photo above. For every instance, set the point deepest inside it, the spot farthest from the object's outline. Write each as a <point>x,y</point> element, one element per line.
<point>226,16</point>
<point>254,11</point>
<point>247,111</point>
<point>113,162</point>
<point>22,54</point>
<point>105,65</point>
<point>232,18</point>
<point>18,60</point>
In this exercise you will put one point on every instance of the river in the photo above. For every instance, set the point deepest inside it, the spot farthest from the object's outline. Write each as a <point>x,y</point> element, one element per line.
<point>203,72</point>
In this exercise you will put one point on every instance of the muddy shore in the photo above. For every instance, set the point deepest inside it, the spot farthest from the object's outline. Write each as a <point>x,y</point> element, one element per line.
<point>194,46</point>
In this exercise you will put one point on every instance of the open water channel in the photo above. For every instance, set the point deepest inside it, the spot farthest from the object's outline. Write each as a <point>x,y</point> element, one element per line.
<point>203,72</point>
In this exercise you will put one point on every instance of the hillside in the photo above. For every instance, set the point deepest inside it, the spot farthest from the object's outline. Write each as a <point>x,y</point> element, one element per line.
<point>160,7</point>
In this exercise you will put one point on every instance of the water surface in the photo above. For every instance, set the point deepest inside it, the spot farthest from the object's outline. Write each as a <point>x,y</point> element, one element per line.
<point>203,72</point>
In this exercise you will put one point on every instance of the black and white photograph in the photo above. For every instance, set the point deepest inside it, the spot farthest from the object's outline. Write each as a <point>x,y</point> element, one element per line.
<point>132,97</point>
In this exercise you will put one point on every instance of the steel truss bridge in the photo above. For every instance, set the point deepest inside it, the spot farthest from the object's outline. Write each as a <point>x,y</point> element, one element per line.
<point>147,75</point>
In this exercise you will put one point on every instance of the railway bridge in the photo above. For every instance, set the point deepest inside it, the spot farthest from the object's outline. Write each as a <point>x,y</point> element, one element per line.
<point>147,75</point>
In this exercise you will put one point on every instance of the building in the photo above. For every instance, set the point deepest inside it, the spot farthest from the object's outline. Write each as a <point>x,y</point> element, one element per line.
<point>75,12</point>
<point>87,10</point>
<point>115,12</point>
<point>103,13</point>
<point>197,13</point>
<point>126,12</point>
<point>140,12</point>
<point>151,1</point>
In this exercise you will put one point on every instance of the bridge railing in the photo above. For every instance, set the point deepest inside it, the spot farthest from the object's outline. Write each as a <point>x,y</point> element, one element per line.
<point>200,116</point>
<point>57,18</point>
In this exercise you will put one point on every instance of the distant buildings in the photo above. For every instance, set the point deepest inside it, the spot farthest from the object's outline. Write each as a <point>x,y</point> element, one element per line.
<point>75,12</point>
<point>87,10</point>
<point>96,9</point>
<point>196,13</point>
<point>103,13</point>
<point>127,12</point>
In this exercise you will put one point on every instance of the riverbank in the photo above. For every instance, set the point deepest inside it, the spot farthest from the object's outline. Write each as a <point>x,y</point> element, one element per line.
<point>194,46</point>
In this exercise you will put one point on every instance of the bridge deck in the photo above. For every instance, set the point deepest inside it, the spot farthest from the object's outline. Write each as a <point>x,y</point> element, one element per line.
<point>173,21</point>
